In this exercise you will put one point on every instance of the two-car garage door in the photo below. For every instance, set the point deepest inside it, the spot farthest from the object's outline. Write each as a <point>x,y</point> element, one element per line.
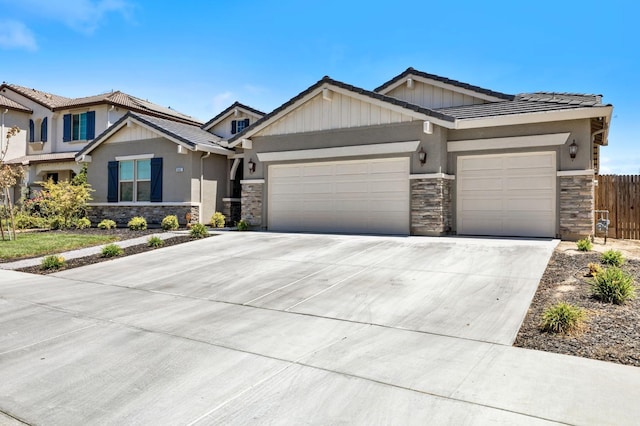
<point>507,195</point>
<point>360,196</point>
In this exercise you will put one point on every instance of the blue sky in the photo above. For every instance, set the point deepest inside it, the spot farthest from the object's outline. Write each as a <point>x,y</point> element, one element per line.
<point>200,56</point>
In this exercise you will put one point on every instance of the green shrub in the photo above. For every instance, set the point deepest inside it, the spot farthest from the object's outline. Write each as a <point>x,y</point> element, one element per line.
<point>612,257</point>
<point>112,250</point>
<point>52,262</point>
<point>57,222</point>
<point>563,318</point>
<point>155,242</point>
<point>170,223</point>
<point>198,230</point>
<point>137,223</point>
<point>242,225</point>
<point>24,221</point>
<point>613,285</point>
<point>83,223</point>
<point>217,220</point>
<point>584,244</point>
<point>106,224</point>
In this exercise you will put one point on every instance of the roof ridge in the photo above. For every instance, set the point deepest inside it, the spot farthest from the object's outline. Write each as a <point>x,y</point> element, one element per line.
<point>457,83</point>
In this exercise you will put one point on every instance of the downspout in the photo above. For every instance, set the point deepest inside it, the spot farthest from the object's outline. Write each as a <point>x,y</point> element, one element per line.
<point>2,135</point>
<point>202,157</point>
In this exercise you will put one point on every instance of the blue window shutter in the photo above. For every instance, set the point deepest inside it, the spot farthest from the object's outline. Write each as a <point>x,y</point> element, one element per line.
<point>233,127</point>
<point>246,123</point>
<point>32,137</point>
<point>156,180</point>
<point>43,130</point>
<point>66,137</point>
<point>112,191</point>
<point>91,125</point>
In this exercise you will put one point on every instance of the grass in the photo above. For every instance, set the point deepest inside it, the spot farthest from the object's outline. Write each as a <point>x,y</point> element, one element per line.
<point>34,244</point>
<point>563,318</point>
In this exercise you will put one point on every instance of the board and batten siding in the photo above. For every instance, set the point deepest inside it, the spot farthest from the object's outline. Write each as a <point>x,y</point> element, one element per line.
<point>130,133</point>
<point>338,113</point>
<point>429,96</point>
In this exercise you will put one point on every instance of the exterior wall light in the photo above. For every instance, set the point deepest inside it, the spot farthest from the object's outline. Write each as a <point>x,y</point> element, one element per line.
<point>422,156</point>
<point>252,166</point>
<point>573,150</point>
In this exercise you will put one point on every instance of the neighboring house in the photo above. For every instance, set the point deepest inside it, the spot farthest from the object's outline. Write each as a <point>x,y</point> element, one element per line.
<point>54,128</point>
<point>424,155</point>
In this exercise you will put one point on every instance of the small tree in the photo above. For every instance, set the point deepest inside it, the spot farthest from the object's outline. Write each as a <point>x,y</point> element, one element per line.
<point>9,177</point>
<point>66,200</point>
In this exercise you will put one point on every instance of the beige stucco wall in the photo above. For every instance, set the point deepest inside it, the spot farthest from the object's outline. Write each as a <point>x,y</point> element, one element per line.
<point>17,145</point>
<point>214,184</point>
<point>432,144</point>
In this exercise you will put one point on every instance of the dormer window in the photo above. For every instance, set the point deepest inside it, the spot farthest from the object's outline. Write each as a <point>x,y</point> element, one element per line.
<point>239,125</point>
<point>79,127</point>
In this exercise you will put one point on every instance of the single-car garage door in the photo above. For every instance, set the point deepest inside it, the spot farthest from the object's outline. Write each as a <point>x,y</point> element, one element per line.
<point>507,195</point>
<point>364,196</point>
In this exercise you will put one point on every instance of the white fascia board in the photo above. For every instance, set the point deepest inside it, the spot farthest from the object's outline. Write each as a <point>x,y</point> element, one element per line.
<point>212,149</point>
<point>442,85</point>
<point>588,172</point>
<point>550,139</point>
<point>146,203</point>
<point>534,117</point>
<point>252,181</point>
<point>342,151</point>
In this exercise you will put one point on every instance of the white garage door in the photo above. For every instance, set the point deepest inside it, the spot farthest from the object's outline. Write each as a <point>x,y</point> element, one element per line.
<point>507,195</point>
<point>368,196</point>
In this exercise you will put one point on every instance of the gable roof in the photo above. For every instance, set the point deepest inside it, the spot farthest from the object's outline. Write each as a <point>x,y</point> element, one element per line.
<point>326,82</point>
<point>189,135</point>
<point>11,104</point>
<point>215,120</point>
<point>117,98</point>
<point>413,72</point>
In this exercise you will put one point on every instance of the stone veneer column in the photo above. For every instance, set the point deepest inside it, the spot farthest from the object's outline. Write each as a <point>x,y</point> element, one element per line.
<point>577,201</point>
<point>252,195</point>
<point>231,208</point>
<point>431,204</point>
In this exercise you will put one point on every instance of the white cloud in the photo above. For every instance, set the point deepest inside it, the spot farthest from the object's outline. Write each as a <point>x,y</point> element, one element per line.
<point>222,101</point>
<point>81,15</point>
<point>15,35</point>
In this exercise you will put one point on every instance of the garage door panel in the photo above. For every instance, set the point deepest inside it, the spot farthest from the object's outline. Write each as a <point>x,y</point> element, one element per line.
<point>477,164</point>
<point>517,200</point>
<point>367,196</point>
<point>529,183</point>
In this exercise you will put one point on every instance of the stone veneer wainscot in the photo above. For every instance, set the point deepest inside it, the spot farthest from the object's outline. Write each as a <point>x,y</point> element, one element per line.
<point>431,204</point>
<point>153,213</point>
<point>577,201</point>
<point>252,193</point>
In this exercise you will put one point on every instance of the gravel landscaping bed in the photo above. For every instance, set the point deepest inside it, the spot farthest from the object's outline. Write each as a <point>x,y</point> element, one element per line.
<point>612,331</point>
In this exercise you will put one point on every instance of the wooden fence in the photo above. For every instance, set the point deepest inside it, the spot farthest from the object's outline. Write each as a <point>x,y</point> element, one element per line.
<point>620,194</point>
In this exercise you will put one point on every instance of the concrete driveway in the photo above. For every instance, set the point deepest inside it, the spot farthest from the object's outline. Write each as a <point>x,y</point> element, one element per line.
<point>289,329</point>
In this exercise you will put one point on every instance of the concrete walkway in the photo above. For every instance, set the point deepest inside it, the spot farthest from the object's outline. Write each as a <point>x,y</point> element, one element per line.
<point>290,329</point>
<point>88,251</point>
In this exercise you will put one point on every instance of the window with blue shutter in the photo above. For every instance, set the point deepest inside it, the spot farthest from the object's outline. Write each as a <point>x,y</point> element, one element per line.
<point>91,125</point>
<point>43,130</point>
<point>79,127</point>
<point>156,180</point>
<point>32,136</point>
<point>66,136</point>
<point>239,125</point>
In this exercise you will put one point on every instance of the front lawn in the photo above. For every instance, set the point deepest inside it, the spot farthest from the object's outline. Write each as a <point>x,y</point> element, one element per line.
<point>34,244</point>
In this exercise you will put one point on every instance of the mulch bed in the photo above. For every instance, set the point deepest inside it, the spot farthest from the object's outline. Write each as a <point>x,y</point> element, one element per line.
<point>122,234</point>
<point>612,331</point>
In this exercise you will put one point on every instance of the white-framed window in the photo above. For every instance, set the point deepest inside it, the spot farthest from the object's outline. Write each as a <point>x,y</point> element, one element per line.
<point>135,180</point>
<point>79,126</point>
